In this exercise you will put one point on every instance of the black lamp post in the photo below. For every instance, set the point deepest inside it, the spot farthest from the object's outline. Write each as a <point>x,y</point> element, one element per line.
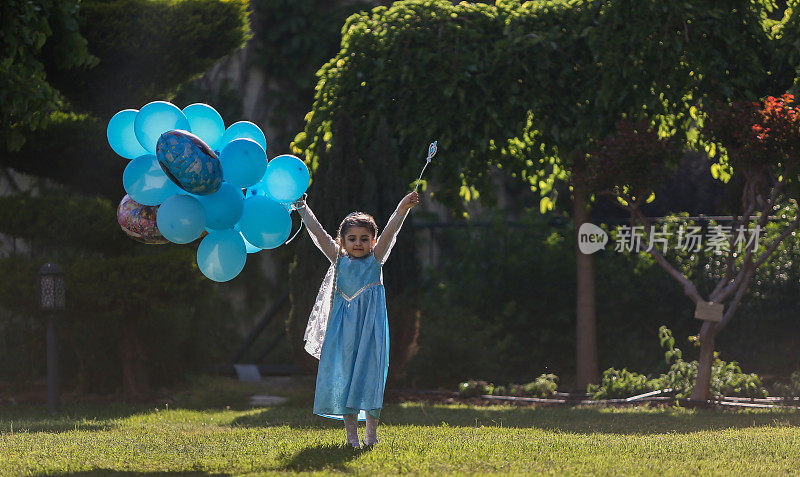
<point>52,300</point>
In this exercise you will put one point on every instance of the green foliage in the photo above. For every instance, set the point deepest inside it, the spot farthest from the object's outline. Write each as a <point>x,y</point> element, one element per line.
<point>72,150</point>
<point>492,84</point>
<point>727,378</point>
<point>175,318</point>
<point>620,384</point>
<point>790,391</point>
<point>147,48</point>
<point>294,39</point>
<point>32,33</point>
<point>474,388</point>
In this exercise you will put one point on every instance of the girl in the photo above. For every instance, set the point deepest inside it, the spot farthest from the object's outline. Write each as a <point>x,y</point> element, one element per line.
<point>348,330</point>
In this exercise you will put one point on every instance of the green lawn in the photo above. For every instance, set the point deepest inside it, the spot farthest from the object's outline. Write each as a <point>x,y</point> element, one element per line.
<point>415,438</point>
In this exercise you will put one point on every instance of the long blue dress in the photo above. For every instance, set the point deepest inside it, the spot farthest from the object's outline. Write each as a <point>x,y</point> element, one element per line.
<point>354,361</point>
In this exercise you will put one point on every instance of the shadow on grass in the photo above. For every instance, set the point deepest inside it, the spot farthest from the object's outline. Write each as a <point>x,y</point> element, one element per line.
<point>320,457</point>
<point>32,419</point>
<point>574,420</point>
<point>104,472</point>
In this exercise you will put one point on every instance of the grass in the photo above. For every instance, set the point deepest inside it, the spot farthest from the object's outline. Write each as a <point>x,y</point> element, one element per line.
<point>214,431</point>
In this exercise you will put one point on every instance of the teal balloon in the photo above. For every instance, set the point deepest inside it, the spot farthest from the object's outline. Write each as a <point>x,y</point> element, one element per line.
<point>250,248</point>
<point>121,136</point>
<point>181,219</point>
<point>156,118</point>
<point>146,182</point>
<point>287,178</point>
<point>206,123</point>
<point>265,223</point>
<point>243,162</point>
<point>247,130</point>
<point>224,207</point>
<point>221,255</point>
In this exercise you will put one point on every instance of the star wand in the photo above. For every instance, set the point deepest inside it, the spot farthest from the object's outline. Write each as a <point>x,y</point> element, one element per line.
<point>431,152</point>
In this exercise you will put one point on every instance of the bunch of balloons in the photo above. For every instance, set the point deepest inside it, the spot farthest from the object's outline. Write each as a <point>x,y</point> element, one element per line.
<point>189,177</point>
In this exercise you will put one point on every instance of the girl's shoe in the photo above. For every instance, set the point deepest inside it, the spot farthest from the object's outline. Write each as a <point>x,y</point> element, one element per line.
<point>355,445</point>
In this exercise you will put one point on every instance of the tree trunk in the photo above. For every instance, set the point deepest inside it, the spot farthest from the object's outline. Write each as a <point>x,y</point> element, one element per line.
<point>701,389</point>
<point>586,349</point>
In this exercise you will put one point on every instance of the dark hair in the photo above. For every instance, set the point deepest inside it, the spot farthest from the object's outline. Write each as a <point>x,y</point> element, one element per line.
<point>357,219</point>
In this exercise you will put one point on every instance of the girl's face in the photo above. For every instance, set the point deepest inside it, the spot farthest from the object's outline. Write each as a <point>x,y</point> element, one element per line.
<point>358,241</point>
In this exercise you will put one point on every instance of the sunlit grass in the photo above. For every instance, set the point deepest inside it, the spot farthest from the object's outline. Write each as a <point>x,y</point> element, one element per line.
<point>415,438</point>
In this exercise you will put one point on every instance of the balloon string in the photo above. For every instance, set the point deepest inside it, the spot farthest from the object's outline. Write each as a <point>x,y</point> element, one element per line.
<point>295,234</point>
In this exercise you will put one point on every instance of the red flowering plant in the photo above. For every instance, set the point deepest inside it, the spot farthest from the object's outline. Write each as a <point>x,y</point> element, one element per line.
<point>631,163</point>
<point>761,139</point>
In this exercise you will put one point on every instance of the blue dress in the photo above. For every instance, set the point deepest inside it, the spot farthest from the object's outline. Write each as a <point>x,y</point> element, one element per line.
<point>354,361</point>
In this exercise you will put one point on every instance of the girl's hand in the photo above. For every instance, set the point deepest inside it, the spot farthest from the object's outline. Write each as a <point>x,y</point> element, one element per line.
<point>408,202</point>
<point>300,203</point>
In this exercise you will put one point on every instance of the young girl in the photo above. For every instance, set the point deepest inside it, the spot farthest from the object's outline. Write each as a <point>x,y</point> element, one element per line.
<point>348,330</point>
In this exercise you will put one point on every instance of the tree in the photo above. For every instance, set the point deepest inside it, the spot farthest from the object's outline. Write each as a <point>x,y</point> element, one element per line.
<point>759,149</point>
<point>527,87</point>
<point>35,32</point>
<point>144,50</point>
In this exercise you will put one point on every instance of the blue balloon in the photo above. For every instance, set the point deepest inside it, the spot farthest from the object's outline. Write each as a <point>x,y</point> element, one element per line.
<point>146,183</point>
<point>181,219</point>
<point>221,255</point>
<point>189,162</point>
<point>243,162</point>
<point>250,248</point>
<point>156,118</point>
<point>265,223</point>
<point>223,207</point>
<point>121,136</point>
<point>206,123</point>
<point>244,129</point>
<point>287,178</point>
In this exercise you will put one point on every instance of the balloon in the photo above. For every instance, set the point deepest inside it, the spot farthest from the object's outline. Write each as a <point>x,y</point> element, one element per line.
<point>181,219</point>
<point>146,183</point>
<point>139,221</point>
<point>223,207</point>
<point>120,134</point>
<point>244,129</point>
<point>243,162</point>
<point>155,119</point>
<point>250,248</point>
<point>265,223</point>
<point>287,178</point>
<point>189,162</point>
<point>206,123</point>
<point>221,255</point>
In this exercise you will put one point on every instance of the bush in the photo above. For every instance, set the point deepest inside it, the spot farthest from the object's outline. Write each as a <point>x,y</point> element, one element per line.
<point>617,384</point>
<point>544,386</point>
<point>727,378</point>
<point>791,391</point>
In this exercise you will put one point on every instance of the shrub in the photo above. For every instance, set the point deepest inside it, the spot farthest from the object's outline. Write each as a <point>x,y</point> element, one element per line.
<point>620,384</point>
<point>727,378</point>
<point>542,387</point>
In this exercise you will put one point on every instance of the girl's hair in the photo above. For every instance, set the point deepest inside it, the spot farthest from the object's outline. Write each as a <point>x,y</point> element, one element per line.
<point>357,219</point>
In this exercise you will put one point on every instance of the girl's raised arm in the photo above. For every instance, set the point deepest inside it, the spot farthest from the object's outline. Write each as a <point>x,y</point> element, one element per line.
<point>321,239</point>
<point>384,244</point>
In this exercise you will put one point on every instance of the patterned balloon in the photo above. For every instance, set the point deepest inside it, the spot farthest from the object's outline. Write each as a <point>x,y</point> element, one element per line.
<point>189,162</point>
<point>139,221</point>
